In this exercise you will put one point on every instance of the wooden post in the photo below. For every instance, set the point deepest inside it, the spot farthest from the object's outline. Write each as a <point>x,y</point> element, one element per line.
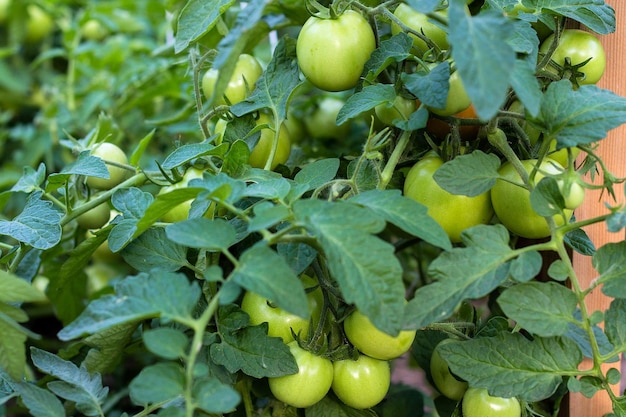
<point>613,152</point>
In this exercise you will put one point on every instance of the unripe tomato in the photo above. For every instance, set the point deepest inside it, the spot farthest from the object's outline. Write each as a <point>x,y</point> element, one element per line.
<point>261,152</point>
<point>445,382</point>
<point>578,45</point>
<point>401,108</point>
<point>93,30</point>
<point>454,213</point>
<point>309,385</point>
<point>511,202</point>
<point>246,73</point>
<point>467,132</point>
<point>457,99</point>
<point>39,24</point>
<point>372,342</point>
<point>478,403</point>
<point>421,23</point>
<point>281,323</point>
<point>4,10</point>
<point>181,211</point>
<point>109,152</point>
<point>322,122</point>
<point>361,383</point>
<point>96,217</point>
<point>332,52</point>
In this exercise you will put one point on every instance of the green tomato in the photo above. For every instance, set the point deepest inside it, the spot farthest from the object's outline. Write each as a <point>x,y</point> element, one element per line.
<point>246,73</point>
<point>579,46</point>
<point>478,403</point>
<point>457,99</point>
<point>309,385</point>
<point>454,213</point>
<point>445,382</point>
<point>109,152</point>
<point>99,274</point>
<point>262,150</point>
<point>511,202</point>
<point>361,383</point>
<point>4,10</point>
<point>421,23</point>
<point>96,217</point>
<point>322,122</point>
<point>39,24</point>
<point>373,342</point>
<point>281,323</point>
<point>570,185</point>
<point>181,211</point>
<point>332,52</point>
<point>401,108</point>
<point>93,30</point>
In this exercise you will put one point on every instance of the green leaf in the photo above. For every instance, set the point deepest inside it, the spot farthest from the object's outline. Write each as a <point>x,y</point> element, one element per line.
<point>471,174</point>
<point>167,342</point>
<point>461,273</point>
<point>191,151</point>
<point>236,159</point>
<point>578,240</point>
<point>214,397</point>
<point>75,384</point>
<point>159,294</point>
<point>615,323</point>
<point>12,344</point>
<point>214,235</point>
<point>164,381</point>
<point>430,87</point>
<point>392,50</point>
<point>317,173</point>
<point>162,204</point>
<point>610,261</point>
<point>404,213</point>
<point>263,271</point>
<point>526,85</point>
<point>368,273</point>
<point>509,365</point>
<point>131,202</point>
<point>40,402</point>
<point>30,180</point>
<point>267,215</point>
<point>85,164</point>
<point>526,266</point>
<point>249,349</point>
<point>596,15</point>
<point>15,289</point>
<point>546,198</point>
<point>276,84</point>
<point>196,19</point>
<point>107,347</point>
<point>543,308</point>
<point>152,250</point>
<point>581,116</point>
<point>272,189</point>
<point>364,100</point>
<point>37,225</point>
<point>297,255</point>
<point>482,55</point>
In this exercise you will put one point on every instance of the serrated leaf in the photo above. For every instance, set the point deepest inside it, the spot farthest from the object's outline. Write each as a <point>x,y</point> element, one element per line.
<point>581,337</point>
<point>395,49</point>
<point>40,402</point>
<point>191,151</point>
<point>610,261</point>
<point>196,19</point>
<point>15,289</point>
<point>596,15</point>
<point>404,213</point>
<point>276,84</point>
<point>153,250</point>
<point>107,347</point>
<point>85,164</point>
<point>471,174</point>
<point>203,233</point>
<point>317,173</point>
<point>543,308</point>
<point>214,397</point>
<point>37,225</point>
<point>30,180</point>
<point>510,365</point>
<point>615,323</point>
<point>581,116</point>
<point>157,383</point>
<point>365,267</point>
<point>159,294</point>
<point>364,100</point>
<point>461,273</point>
<point>167,342</point>
<point>131,202</point>
<point>263,271</point>
<point>249,349</point>
<point>430,87</point>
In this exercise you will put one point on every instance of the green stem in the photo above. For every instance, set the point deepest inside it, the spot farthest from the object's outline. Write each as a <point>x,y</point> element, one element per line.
<point>390,167</point>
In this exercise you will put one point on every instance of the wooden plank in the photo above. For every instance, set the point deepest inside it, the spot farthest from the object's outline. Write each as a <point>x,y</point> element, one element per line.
<point>613,152</point>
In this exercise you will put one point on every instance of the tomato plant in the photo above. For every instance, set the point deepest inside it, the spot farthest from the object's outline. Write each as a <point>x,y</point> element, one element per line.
<point>422,24</point>
<point>457,99</point>
<point>332,52</point>
<point>270,145</point>
<point>444,380</point>
<point>361,383</point>
<point>477,402</point>
<point>111,153</point>
<point>247,71</point>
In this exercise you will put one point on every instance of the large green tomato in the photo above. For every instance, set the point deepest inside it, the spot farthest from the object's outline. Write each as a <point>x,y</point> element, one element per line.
<point>511,202</point>
<point>96,217</point>
<point>262,150</point>
<point>454,213</point>
<point>246,73</point>
<point>373,342</point>
<point>401,108</point>
<point>420,22</point>
<point>457,99</point>
<point>361,383</point>
<point>309,385</point>
<point>39,24</point>
<point>181,211</point>
<point>445,382</point>
<point>332,52</point>
<point>93,30</point>
<point>478,403</point>
<point>578,45</point>
<point>109,152</point>
<point>281,323</point>
<point>322,122</point>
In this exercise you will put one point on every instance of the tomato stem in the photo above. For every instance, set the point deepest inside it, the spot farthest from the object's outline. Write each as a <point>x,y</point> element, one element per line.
<point>393,160</point>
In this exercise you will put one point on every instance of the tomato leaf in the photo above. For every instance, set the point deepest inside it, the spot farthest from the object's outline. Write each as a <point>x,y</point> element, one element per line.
<point>213,396</point>
<point>471,174</point>
<point>85,164</point>
<point>615,323</point>
<point>581,337</point>
<point>595,14</point>
<point>546,198</point>
<point>201,233</point>
<point>40,402</point>
<point>317,173</point>
<point>483,56</point>
<point>610,261</point>
<point>364,100</point>
<point>249,349</point>
<point>107,347</point>
<point>510,365</point>
<point>405,213</point>
<point>191,151</point>
<point>153,249</point>
<point>158,383</point>
<point>196,19</point>
<point>461,273</point>
<point>159,294</point>
<point>167,342</point>
<point>430,87</point>
<point>13,348</point>
<point>395,49</point>
<point>15,289</point>
<point>580,116</point>
<point>543,308</point>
